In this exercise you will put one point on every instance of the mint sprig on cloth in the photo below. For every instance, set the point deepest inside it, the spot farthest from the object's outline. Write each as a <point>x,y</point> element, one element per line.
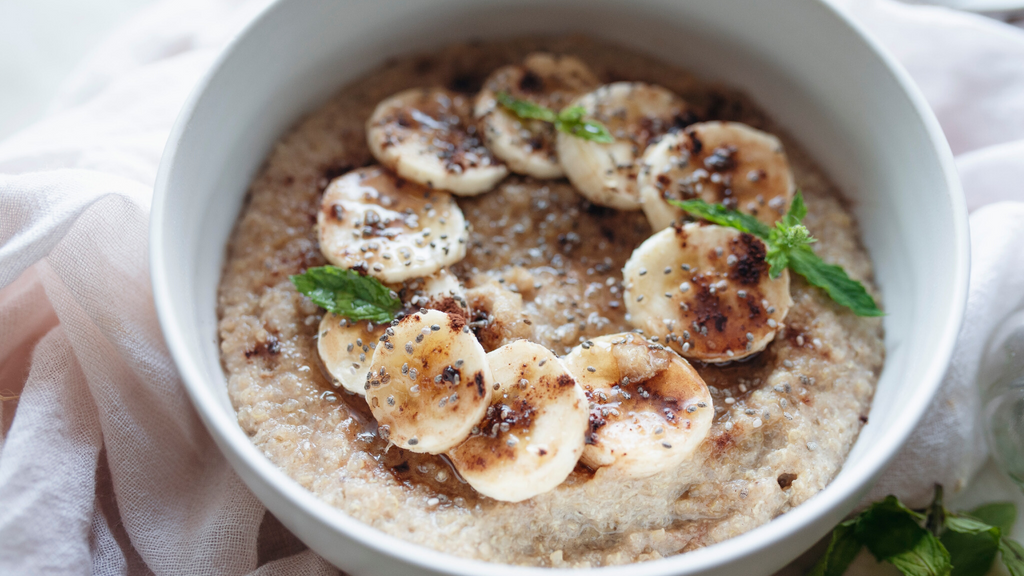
<point>931,542</point>
<point>348,294</point>
<point>788,244</point>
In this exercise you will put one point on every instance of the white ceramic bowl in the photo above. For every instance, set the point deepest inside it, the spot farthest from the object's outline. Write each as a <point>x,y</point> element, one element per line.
<point>815,72</point>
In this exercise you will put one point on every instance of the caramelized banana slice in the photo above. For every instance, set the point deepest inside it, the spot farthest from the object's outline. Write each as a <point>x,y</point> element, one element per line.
<point>649,408</point>
<point>705,290</point>
<point>548,80</point>
<point>635,114</point>
<point>427,135</point>
<point>392,229</point>
<point>429,382</point>
<point>346,348</point>
<point>721,163</point>
<point>532,433</point>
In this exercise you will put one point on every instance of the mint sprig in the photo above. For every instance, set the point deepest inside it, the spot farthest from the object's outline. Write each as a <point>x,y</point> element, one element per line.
<point>348,294</point>
<point>569,120</point>
<point>788,246</point>
<point>929,542</point>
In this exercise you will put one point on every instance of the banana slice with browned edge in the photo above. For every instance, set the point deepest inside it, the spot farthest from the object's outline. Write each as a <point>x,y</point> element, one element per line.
<point>721,163</point>
<point>532,434</point>
<point>346,347</point>
<point>428,136</point>
<point>649,409</point>
<point>705,290</point>
<point>429,382</point>
<point>548,80</point>
<point>384,226</point>
<point>635,114</point>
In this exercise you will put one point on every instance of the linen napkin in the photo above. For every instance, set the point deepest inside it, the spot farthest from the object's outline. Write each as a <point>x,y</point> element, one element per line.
<point>104,465</point>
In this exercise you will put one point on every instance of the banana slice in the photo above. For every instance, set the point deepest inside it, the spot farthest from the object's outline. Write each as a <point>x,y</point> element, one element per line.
<point>440,291</point>
<point>649,409</point>
<point>721,163</point>
<point>427,135</point>
<point>389,228</point>
<point>532,434</point>
<point>636,114</point>
<point>705,290</point>
<point>346,347</point>
<point>429,382</point>
<point>549,80</point>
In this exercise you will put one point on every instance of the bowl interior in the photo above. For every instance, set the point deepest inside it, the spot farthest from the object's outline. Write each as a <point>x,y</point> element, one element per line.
<point>803,63</point>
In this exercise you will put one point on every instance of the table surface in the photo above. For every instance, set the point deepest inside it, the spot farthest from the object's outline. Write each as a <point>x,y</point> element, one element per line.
<point>41,43</point>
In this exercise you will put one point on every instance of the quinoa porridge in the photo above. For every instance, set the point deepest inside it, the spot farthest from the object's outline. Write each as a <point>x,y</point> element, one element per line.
<point>545,264</point>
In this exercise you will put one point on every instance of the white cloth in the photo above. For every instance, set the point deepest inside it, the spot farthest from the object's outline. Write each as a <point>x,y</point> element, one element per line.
<point>104,465</point>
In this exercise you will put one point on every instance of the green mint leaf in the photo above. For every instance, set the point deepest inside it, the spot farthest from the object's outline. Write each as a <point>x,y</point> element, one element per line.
<point>927,558</point>
<point>889,528</point>
<point>1002,515</point>
<point>569,120</point>
<point>788,246</point>
<point>842,549</point>
<point>797,209</point>
<point>972,545</point>
<point>718,214</point>
<point>1012,555</point>
<point>778,260</point>
<point>833,279</point>
<point>348,294</point>
<point>525,109</point>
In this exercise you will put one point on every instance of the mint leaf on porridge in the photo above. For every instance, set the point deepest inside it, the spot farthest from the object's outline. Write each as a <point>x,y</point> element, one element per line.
<point>570,120</point>
<point>788,246</point>
<point>719,214</point>
<point>525,109</point>
<point>348,294</point>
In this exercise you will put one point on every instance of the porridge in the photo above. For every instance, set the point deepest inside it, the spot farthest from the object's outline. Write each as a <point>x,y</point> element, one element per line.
<point>538,267</point>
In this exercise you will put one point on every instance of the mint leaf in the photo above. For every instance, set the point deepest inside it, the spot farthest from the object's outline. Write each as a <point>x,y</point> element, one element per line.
<point>569,120</point>
<point>348,294</point>
<point>927,558</point>
<point>972,545</point>
<point>833,279</point>
<point>525,109</point>
<point>719,214</point>
<point>1012,555</point>
<point>892,532</point>
<point>1002,515</point>
<point>788,246</point>
<point>889,528</point>
<point>843,548</point>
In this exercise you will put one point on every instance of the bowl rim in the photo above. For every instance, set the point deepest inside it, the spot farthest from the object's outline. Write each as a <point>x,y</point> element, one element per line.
<point>233,441</point>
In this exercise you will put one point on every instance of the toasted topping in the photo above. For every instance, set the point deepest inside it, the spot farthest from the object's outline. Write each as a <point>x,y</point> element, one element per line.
<point>721,163</point>
<point>384,226</point>
<point>427,135</point>
<point>649,409</point>
<point>532,433</point>
<point>635,114</point>
<point>524,141</point>
<point>717,301</point>
<point>429,382</point>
